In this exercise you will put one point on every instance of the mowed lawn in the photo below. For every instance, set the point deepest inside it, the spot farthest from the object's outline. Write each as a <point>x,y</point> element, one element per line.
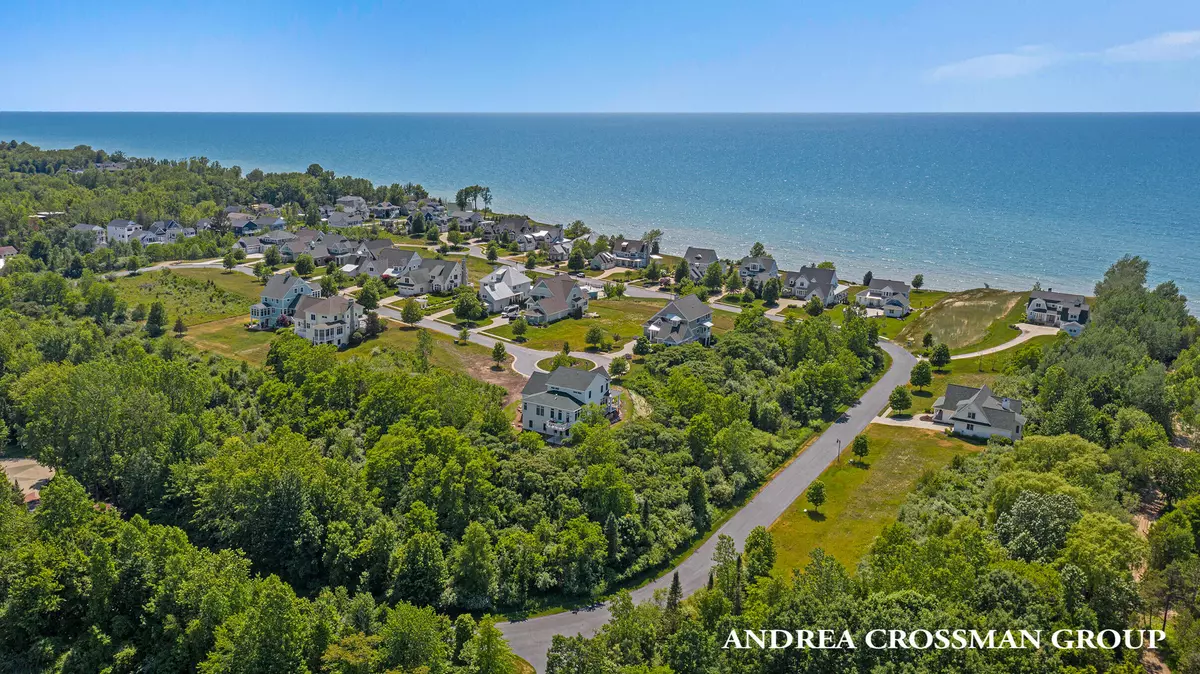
<point>621,318</point>
<point>198,295</point>
<point>974,372</point>
<point>230,338</point>
<point>967,321</point>
<point>861,501</point>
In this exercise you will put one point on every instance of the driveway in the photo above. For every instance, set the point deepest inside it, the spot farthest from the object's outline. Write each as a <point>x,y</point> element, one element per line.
<point>27,473</point>
<point>1028,332</point>
<point>530,639</point>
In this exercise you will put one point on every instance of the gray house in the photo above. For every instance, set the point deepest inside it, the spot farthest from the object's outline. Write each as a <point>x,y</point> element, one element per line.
<point>698,260</point>
<point>812,282</point>
<point>756,271</point>
<point>551,401</point>
<point>683,320</point>
<point>280,298</point>
<point>977,413</point>
<point>555,298</point>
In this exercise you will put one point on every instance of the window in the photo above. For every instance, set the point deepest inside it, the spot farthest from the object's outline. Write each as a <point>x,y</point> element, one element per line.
<point>970,415</point>
<point>970,427</point>
<point>541,411</point>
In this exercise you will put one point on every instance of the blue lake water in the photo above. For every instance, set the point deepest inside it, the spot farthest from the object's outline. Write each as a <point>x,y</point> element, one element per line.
<point>965,199</point>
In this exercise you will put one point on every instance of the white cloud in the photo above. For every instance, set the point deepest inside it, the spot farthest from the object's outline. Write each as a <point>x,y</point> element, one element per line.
<point>1176,46</point>
<point>1023,61</point>
<point>1172,46</point>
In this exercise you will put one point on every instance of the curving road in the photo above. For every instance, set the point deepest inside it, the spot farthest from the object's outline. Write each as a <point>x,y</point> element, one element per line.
<point>530,639</point>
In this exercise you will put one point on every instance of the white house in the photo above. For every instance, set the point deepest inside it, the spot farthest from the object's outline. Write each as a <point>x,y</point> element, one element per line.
<point>551,401</point>
<point>279,299</point>
<point>555,298</point>
<point>683,320</point>
<point>1063,310</point>
<point>976,412</point>
<point>503,287</point>
<point>99,234</point>
<point>812,282</point>
<point>329,320</point>
<point>631,253</point>
<point>431,276</point>
<point>604,260</point>
<point>890,296</point>
<point>122,231</point>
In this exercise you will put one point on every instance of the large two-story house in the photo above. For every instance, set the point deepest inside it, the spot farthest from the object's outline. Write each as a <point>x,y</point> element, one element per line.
<point>630,253</point>
<point>99,234</point>
<point>1062,310</point>
<point>555,298</point>
<point>683,320</point>
<point>431,276</point>
<point>756,271</point>
<point>889,296</point>
<point>977,413</point>
<point>812,282</point>
<point>327,320</point>
<point>279,299</point>
<point>122,231</point>
<point>503,287</point>
<point>551,401</point>
<point>699,260</point>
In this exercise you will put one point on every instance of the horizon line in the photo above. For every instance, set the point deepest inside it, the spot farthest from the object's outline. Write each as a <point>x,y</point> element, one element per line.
<point>585,112</point>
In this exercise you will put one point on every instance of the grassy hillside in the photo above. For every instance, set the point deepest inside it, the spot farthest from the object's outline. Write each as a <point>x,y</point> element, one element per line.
<point>967,320</point>
<point>198,295</point>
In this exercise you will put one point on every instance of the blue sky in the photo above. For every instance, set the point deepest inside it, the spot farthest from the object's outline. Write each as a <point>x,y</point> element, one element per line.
<point>613,56</point>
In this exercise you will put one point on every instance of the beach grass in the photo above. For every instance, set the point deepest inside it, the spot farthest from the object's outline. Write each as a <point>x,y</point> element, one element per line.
<point>966,321</point>
<point>861,499</point>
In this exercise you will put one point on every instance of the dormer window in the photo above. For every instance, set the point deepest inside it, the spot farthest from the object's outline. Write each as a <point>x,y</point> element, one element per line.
<point>970,415</point>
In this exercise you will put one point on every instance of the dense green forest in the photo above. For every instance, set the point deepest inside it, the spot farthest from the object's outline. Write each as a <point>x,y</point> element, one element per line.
<point>338,514</point>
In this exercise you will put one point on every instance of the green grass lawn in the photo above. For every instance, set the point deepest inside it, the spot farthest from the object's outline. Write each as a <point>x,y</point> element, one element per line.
<point>974,372</point>
<point>967,320</point>
<point>722,321</point>
<point>198,295</point>
<point>861,501</point>
<point>547,364</point>
<point>623,317</point>
<point>450,319</point>
<point>230,338</point>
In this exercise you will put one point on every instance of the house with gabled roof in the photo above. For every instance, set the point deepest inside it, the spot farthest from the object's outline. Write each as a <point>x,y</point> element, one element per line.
<point>699,260</point>
<point>978,413</point>
<point>551,402</point>
<point>327,320</point>
<point>891,297</point>
<point>812,282</point>
<point>99,234</point>
<point>503,287</point>
<point>388,263</point>
<point>267,223</point>
<point>555,298</point>
<point>633,253</point>
<point>432,276</point>
<point>756,271</point>
<point>1062,310</point>
<point>122,231</point>
<point>279,298</point>
<point>684,319</point>
<point>341,219</point>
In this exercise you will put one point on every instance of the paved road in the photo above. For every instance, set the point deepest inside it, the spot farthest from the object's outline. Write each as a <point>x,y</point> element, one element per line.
<point>530,639</point>
<point>1028,332</point>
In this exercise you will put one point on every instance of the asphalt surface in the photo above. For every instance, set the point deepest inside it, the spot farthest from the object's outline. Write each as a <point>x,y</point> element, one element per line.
<point>530,639</point>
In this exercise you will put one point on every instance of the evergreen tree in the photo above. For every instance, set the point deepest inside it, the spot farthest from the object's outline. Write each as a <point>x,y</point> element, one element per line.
<point>156,320</point>
<point>180,328</point>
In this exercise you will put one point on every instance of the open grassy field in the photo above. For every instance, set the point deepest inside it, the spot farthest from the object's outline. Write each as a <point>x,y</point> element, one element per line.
<point>974,372</point>
<point>623,317</point>
<point>861,500</point>
<point>722,321</point>
<point>967,320</point>
<point>230,338</point>
<point>199,295</point>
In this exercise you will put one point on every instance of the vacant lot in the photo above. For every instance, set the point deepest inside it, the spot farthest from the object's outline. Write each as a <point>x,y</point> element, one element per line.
<point>198,295</point>
<point>861,501</point>
<point>621,318</point>
<point>229,337</point>
<point>967,320</point>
